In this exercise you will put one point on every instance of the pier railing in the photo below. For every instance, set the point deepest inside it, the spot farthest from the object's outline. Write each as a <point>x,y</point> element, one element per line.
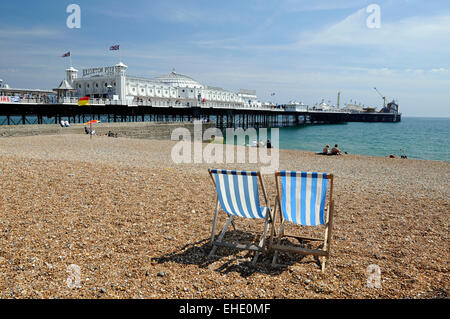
<point>152,103</point>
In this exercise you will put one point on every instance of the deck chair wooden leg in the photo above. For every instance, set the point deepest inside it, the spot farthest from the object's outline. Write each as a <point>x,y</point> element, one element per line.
<point>324,262</point>
<point>325,247</point>
<point>213,232</point>
<point>280,236</point>
<point>273,232</point>
<point>327,240</point>
<point>222,234</point>
<point>263,237</point>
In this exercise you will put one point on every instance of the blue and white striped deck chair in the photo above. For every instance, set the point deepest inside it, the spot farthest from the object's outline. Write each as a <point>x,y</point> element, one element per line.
<point>302,201</point>
<point>238,196</point>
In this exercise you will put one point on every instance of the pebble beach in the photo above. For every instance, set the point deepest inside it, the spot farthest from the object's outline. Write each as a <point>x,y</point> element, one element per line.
<point>133,224</point>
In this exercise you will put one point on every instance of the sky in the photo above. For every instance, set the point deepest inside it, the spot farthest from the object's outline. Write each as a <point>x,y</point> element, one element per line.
<point>300,50</point>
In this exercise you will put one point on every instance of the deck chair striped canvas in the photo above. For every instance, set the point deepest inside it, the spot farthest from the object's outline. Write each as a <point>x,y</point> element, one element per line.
<point>238,196</point>
<point>302,202</point>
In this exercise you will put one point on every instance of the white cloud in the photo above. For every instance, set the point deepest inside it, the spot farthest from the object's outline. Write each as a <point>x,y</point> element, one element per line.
<point>425,33</point>
<point>382,71</point>
<point>29,33</point>
<point>440,70</point>
<point>319,5</point>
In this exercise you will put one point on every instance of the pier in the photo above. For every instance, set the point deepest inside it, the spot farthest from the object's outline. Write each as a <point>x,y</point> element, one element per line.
<point>224,117</point>
<point>116,97</point>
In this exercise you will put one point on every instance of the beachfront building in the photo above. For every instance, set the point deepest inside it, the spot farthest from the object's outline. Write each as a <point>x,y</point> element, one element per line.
<point>351,107</point>
<point>18,95</point>
<point>171,90</point>
<point>294,106</point>
<point>249,98</point>
<point>323,106</point>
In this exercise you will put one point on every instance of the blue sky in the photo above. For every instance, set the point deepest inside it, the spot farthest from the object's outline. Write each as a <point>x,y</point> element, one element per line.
<point>300,50</point>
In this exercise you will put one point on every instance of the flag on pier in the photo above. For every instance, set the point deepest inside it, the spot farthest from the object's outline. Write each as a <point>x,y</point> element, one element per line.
<point>83,101</point>
<point>114,48</point>
<point>65,55</point>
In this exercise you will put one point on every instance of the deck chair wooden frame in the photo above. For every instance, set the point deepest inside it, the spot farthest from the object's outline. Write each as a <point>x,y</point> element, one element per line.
<point>266,214</point>
<point>275,241</point>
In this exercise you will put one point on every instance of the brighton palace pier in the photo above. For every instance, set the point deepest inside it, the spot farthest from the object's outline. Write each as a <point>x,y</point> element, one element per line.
<point>118,97</point>
<point>111,85</point>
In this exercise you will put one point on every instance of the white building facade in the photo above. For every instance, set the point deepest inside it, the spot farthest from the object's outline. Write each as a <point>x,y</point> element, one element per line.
<point>171,90</point>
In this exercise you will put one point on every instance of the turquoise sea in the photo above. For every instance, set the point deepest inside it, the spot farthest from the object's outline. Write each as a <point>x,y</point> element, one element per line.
<point>418,138</point>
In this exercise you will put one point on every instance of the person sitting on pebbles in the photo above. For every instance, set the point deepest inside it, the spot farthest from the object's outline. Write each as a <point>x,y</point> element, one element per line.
<point>336,150</point>
<point>326,150</point>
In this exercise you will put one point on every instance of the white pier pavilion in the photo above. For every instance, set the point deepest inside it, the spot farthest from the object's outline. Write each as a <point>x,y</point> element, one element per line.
<point>111,85</point>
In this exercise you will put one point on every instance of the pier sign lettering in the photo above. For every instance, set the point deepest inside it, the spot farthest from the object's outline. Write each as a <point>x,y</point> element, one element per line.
<point>9,99</point>
<point>107,70</point>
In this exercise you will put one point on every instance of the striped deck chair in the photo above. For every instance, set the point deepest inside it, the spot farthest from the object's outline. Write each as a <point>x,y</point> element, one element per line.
<point>238,196</point>
<point>303,199</point>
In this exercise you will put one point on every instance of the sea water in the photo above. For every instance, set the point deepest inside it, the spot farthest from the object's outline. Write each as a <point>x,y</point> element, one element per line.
<point>417,138</point>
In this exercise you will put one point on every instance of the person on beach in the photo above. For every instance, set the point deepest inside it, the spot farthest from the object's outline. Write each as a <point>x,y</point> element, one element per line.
<point>261,143</point>
<point>88,131</point>
<point>336,150</point>
<point>326,150</point>
<point>268,144</point>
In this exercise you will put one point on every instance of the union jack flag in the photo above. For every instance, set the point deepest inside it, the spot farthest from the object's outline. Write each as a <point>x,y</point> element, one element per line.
<point>114,48</point>
<point>65,55</point>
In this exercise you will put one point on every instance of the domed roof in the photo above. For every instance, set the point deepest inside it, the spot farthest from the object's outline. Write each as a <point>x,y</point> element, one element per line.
<point>179,80</point>
<point>65,86</point>
<point>121,65</point>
